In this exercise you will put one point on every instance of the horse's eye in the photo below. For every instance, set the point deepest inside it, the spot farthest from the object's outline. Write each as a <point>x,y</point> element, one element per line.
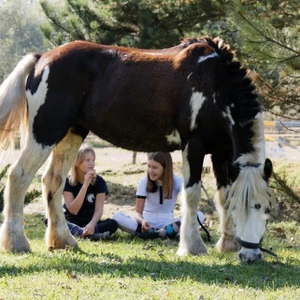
<point>267,211</point>
<point>257,206</point>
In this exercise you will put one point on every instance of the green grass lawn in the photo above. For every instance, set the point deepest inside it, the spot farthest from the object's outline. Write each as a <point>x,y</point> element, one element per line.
<point>129,268</point>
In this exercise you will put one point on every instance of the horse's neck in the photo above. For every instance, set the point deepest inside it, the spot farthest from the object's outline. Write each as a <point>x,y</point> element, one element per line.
<point>249,141</point>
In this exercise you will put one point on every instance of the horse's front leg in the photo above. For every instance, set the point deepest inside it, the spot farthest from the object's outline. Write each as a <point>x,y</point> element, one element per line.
<point>190,238</point>
<point>58,235</point>
<point>227,241</point>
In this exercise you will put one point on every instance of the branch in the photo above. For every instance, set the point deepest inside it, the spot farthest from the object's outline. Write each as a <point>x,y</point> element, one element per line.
<point>269,39</point>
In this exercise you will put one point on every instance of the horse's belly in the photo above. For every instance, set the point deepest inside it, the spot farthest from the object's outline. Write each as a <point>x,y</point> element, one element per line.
<point>136,139</point>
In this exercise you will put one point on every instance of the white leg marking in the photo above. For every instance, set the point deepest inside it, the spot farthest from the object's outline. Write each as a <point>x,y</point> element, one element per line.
<point>190,239</point>
<point>12,236</point>
<point>226,228</point>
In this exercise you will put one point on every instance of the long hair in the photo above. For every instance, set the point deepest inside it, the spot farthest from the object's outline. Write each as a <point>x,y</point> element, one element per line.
<point>82,152</point>
<point>165,159</point>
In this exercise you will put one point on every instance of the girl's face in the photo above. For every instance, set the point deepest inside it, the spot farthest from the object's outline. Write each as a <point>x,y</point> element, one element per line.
<point>155,170</point>
<point>87,164</point>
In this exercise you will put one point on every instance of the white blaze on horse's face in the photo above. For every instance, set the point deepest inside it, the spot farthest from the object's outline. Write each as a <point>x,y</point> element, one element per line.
<point>196,102</point>
<point>251,231</point>
<point>250,202</point>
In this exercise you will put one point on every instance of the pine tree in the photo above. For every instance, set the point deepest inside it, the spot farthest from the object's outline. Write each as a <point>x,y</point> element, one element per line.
<point>269,34</point>
<point>135,23</point>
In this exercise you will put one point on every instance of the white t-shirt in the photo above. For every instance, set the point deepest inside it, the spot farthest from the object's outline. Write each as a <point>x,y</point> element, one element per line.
<point>159,214</point>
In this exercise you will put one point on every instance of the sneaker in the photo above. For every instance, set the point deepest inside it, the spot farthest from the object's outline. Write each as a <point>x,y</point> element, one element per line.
<point>99,236</point>
<point>170,231</point>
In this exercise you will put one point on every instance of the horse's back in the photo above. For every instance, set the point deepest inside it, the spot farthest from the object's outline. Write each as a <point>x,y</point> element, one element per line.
<point>123,95</point>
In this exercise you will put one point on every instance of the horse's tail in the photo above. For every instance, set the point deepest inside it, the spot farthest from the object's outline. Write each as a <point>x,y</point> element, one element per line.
<point>13,109</point>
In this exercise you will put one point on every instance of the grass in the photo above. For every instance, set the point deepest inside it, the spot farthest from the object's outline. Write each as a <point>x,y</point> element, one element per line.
<point>129,268</point>
<point>126,267</point>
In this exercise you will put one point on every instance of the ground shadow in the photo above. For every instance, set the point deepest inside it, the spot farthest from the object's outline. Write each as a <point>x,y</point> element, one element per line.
<point>161,270</point>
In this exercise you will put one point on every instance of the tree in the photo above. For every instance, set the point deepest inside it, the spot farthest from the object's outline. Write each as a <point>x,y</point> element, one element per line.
<point>19,33</point>
<point>269,35</point>
<point>135,23</point>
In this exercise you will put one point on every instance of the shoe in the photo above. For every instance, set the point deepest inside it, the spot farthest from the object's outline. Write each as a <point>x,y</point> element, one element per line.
<point>99,236</point>
<point>170,231</point>
<point>148,235</point>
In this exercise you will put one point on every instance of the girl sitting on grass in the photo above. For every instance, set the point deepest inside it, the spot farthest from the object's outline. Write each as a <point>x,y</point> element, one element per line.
<point>155,201</point>
<point>84,196</point>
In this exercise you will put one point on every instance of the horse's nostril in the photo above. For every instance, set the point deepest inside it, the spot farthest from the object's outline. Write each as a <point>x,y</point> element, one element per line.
<point>242,256</point>
<point>259,256</point>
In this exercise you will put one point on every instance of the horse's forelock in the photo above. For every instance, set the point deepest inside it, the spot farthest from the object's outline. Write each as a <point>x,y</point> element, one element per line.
<point>247,190</point>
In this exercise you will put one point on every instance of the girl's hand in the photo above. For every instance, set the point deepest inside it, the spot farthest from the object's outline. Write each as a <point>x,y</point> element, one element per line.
<point>145,225</point>
<point>88,230</point>
<point>89,176</point>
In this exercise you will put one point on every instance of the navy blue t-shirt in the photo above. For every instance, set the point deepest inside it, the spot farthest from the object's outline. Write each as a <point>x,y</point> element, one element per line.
<point>87,209</point>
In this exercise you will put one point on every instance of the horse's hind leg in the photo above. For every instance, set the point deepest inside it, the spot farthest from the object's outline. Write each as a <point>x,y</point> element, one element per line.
<point>21,173</point>
<point>190,238</point>
<point>63,155</point>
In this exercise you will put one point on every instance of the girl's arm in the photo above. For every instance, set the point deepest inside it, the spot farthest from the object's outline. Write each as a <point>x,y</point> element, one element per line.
<point>139,208</point>
<point>74,204</point>
<point>99,205</point>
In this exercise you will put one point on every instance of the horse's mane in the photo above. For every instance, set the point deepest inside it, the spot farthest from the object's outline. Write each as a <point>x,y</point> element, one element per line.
<point>221,48</point>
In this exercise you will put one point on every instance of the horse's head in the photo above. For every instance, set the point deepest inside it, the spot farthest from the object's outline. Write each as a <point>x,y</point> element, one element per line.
<point>250,202</point>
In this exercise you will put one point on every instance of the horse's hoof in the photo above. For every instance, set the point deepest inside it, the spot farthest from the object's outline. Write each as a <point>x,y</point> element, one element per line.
<point>15,242</point>
<point>60,243</point>
<point>199,251</point>
<point>14,247</point>
<point>227,244</point>
<point>182,252</point>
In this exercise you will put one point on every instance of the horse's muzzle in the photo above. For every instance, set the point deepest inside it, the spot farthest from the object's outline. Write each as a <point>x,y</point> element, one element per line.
<point>250,255</point>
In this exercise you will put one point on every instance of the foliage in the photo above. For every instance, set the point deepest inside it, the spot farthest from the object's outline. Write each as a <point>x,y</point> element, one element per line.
<point>19,33</point>
<point>284,187</point>
<point>135,23</point>
<point>285,184</point>
<point>265,33</point>
<point>30,195</point>
<point>269,35</point>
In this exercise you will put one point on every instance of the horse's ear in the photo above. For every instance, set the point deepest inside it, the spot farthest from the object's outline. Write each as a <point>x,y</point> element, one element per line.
<point>268,168</point>
<point>231,171</point>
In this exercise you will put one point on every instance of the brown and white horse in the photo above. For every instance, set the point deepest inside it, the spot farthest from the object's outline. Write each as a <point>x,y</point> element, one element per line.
<point>192,97</point>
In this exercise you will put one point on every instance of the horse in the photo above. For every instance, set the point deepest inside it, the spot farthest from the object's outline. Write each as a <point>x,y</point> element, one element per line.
<point>194,97</point>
